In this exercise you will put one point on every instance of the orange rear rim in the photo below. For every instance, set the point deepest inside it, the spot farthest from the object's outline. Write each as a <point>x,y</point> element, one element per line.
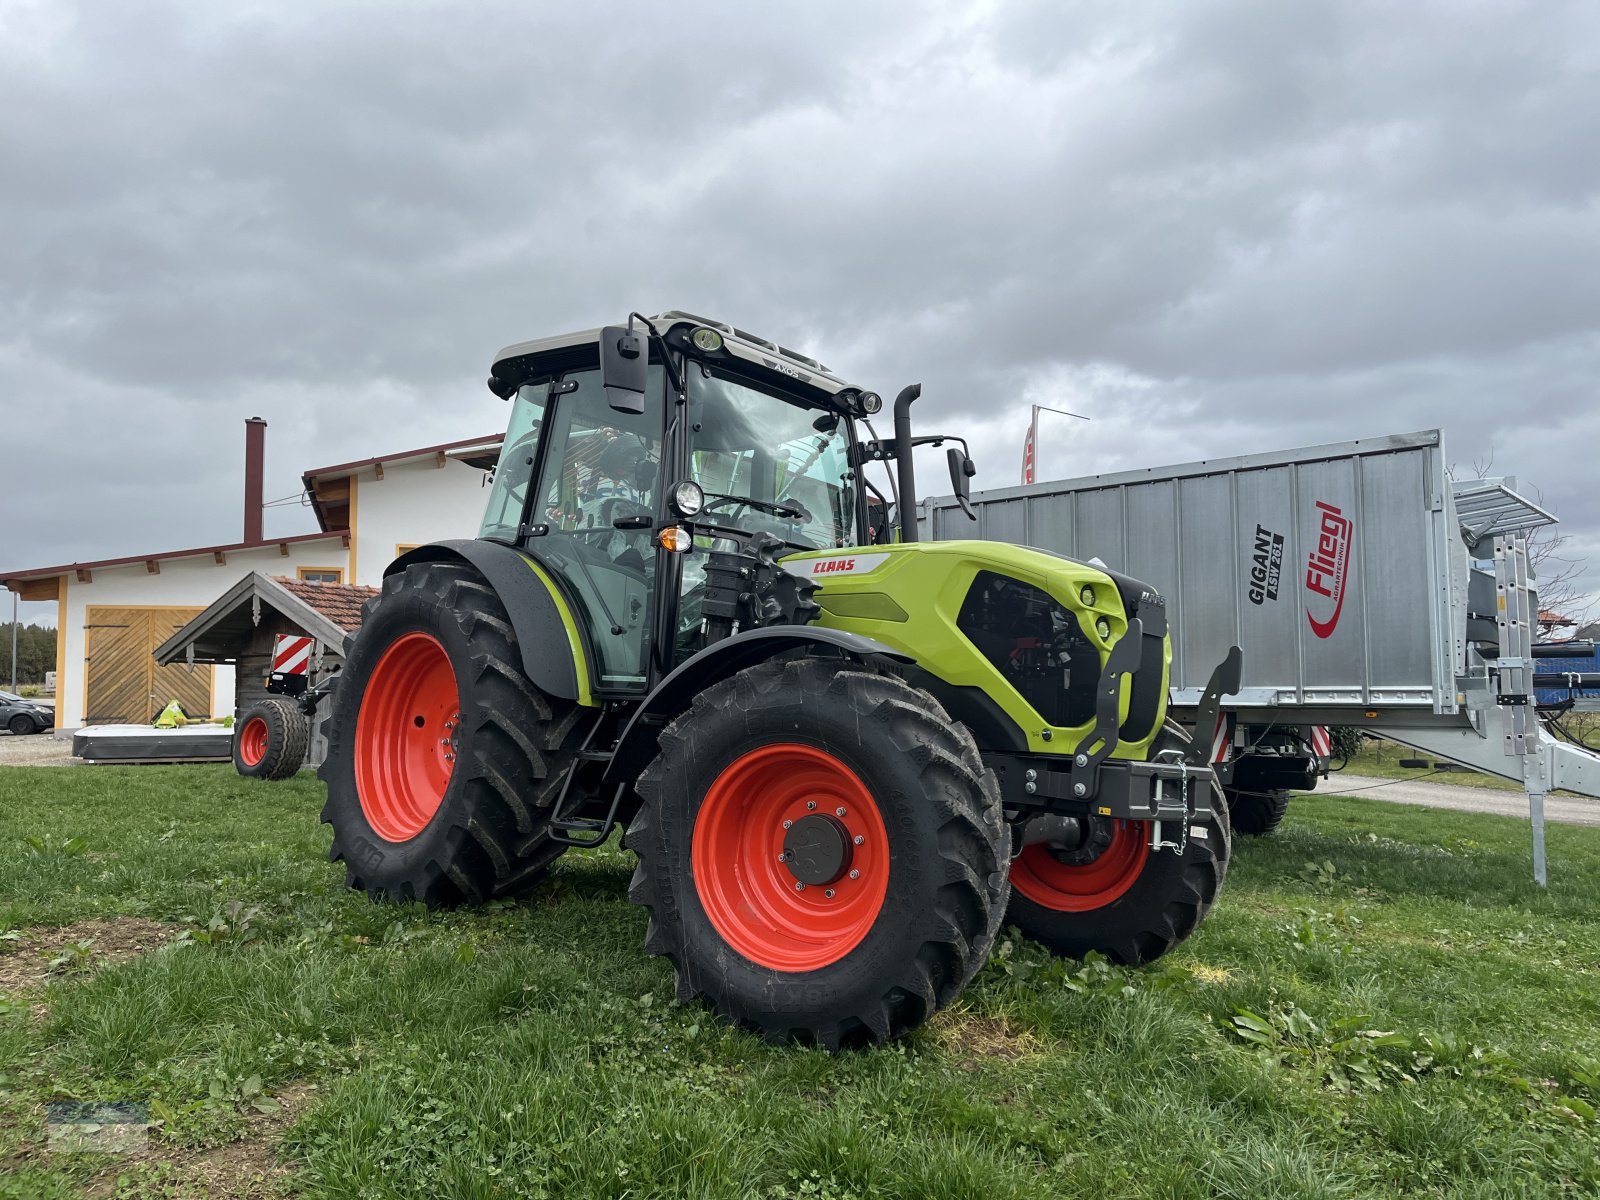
<point>405,747</point>
<point>1083,886</point>
<point>790,857</point>
<point>253,741</point>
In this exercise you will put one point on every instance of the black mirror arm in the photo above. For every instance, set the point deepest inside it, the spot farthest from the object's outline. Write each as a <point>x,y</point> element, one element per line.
<point>661,345</point>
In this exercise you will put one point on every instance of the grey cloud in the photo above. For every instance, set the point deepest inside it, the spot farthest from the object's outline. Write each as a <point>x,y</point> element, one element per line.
<point>1218,227</point>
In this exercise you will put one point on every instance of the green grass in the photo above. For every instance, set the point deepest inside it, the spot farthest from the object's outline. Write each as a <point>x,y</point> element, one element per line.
<point>529,1050</point>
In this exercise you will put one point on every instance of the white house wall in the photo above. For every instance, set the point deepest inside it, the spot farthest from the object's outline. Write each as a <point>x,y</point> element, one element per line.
<point>414,502</point>
<point>190,582</point>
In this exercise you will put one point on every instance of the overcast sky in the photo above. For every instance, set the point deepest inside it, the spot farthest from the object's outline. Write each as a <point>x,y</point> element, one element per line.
<point>1216,228</point>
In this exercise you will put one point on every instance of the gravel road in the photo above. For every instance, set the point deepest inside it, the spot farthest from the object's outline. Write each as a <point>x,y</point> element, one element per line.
<point>35,750</point>
<point>1432,794</point>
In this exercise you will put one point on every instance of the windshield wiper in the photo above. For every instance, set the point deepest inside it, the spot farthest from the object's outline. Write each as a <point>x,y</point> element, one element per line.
<point>791,508</point>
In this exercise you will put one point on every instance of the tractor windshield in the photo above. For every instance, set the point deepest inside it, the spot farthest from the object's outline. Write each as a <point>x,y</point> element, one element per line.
<point>765,463</point>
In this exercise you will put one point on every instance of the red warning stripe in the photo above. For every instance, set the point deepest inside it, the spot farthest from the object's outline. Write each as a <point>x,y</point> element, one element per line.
<point>1221,741</point>
<point>1321,742</point>
<point>291,654</point>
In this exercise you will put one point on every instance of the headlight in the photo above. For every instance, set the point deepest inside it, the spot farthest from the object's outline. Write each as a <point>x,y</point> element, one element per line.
<point>1103,628</point>
<point>871,402</point>
<point>1087,596</point>
<point>708,340</point>
<point>688,498</point>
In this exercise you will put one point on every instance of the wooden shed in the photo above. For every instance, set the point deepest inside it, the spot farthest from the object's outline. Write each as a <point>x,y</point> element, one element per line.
<point>239,627</point>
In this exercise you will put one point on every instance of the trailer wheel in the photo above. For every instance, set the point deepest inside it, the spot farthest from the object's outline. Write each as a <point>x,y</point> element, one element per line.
<point>1256,813</point>
<point>1112,894</point>
<point>270,739</point>
<point>443,758</point>
<point>822,853</point>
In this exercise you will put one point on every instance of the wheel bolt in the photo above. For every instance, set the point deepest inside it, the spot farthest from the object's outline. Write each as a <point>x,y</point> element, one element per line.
<point>859,839</point>
<point>784,856</point>
<point>839,812</point>
<point>855,874</point>
<point>787,824</point>
<point>828,893</point>
<point>811,804</point>
<point>799,886</point>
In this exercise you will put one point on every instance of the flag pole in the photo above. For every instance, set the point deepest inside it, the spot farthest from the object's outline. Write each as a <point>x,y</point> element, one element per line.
<point>1030,464</point>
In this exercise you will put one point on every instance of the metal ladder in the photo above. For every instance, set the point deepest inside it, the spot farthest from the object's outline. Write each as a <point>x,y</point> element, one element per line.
<point>1519,721</point>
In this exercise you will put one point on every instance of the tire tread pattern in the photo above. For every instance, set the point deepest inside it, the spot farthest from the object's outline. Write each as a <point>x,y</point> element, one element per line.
<point>967,831</point>
<point>515,747</point>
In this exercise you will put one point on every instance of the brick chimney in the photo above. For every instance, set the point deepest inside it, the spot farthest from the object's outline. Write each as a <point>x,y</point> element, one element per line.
<point>255,454</point>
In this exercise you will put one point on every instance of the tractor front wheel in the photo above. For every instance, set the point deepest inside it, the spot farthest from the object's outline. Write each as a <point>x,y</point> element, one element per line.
<point>1105,890</point>
<point>444,759</point>
<point>821,851</point>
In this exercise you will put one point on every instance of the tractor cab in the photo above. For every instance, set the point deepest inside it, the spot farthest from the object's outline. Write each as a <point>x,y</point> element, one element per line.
<point>722,439</point>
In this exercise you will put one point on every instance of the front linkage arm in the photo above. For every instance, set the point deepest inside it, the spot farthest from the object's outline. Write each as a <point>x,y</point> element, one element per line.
<point>1168,791</point>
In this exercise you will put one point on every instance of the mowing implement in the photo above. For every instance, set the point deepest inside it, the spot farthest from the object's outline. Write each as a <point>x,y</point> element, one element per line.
<point>842,755</point>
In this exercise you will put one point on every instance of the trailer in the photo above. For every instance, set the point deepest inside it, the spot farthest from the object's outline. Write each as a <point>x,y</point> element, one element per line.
<point>1366,587</point>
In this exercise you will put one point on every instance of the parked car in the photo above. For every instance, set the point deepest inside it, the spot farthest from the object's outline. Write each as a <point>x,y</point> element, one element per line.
<point>24,716</point>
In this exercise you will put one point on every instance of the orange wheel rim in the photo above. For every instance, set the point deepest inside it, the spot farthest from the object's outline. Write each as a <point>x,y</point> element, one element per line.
<point>253,741</point>
<point>405,737</point>
<point>1082,887</point>
<point>801,802</point>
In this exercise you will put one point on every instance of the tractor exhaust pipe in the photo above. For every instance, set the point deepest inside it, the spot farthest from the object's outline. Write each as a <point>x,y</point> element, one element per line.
<point>904,468</point>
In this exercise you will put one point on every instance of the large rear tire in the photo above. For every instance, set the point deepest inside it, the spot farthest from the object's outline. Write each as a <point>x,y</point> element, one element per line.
<point>1112,894</point>
<point>444,759</point>
<point>1256,813</point>
<point>270,739</point>
<point>822,853</point>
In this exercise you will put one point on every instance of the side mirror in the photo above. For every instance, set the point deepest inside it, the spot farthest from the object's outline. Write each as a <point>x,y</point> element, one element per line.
<point>624,367</point>
<point>961,470</point>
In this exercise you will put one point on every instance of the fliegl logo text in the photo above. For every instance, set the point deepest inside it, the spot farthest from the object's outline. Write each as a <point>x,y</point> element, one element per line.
<point>1328,570</point>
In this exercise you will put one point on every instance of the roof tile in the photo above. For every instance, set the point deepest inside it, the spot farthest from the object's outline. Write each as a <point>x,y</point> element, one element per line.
<point>340,603</point>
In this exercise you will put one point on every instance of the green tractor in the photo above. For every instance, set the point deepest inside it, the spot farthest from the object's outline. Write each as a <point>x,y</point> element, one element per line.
<point>842,755</point>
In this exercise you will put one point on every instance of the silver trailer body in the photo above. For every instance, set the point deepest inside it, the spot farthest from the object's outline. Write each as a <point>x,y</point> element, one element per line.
<point>1365,586</point>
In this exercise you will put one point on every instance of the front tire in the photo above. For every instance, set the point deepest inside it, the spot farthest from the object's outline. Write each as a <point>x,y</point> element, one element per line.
<point>444,760</point>
<point>822,853</point>
<point>270,740</point>
<point>22,724</point>
<point>1112,894</point>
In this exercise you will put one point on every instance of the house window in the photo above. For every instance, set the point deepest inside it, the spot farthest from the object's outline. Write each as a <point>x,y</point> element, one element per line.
<point>321,574</point>
<point>405,548</point>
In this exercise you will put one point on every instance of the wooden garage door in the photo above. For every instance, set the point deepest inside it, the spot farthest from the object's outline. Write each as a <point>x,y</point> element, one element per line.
<point>125,685</point>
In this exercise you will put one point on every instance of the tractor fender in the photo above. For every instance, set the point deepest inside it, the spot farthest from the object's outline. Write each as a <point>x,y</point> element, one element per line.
<point>717,662</point>
<point>554,652</point>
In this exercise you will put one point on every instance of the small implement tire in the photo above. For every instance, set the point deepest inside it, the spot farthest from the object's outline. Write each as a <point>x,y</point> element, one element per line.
<point>1114,895</point>
<point>822,853</point>
<point>22,724</point>
<point>444,760</point>
<point>270,739</point>
<point>1256,813</point>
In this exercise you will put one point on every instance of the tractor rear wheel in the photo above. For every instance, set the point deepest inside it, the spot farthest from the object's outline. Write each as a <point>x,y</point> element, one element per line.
<point>444,759</point>
<point>821,851</point>
<point>1110,893</point>
<point>270,739</point>
<point>1256,813</point>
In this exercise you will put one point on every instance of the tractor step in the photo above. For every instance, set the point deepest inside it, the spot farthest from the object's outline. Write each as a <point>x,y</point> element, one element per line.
<point>586,832</point>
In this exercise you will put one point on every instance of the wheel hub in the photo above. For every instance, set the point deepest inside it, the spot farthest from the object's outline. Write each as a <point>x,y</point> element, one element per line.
<point>1095,835</point>
<point>816,849</point>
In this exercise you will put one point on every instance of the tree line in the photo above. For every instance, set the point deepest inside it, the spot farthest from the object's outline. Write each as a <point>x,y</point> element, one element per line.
<point>36,653</point>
